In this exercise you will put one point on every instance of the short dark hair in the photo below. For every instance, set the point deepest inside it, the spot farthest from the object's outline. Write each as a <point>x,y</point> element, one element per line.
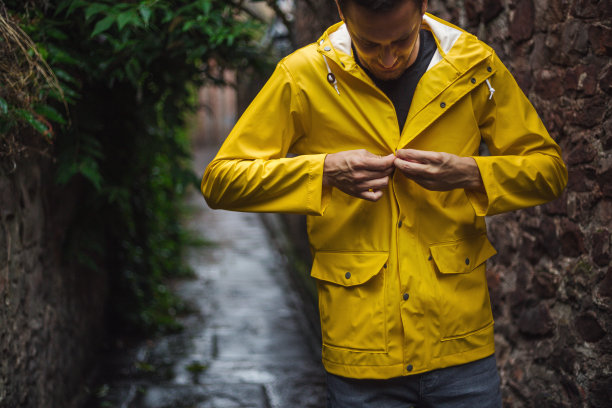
<point>378,5</point>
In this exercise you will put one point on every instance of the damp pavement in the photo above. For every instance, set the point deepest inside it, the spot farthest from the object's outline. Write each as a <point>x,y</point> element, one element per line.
<point>244,344</point>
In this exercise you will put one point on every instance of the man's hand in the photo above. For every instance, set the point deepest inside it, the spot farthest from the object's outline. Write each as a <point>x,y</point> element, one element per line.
<point>358,173</point>
<point>439,171</point>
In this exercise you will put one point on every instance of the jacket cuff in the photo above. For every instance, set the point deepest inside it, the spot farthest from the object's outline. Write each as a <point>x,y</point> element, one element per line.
<point>318,196</point>
<point>480,201</point>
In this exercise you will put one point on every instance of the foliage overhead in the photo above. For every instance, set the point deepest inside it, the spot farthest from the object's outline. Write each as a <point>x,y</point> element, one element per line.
<point>112,87</point>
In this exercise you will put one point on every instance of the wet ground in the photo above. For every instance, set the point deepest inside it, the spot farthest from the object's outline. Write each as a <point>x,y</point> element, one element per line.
<point>245,344</point>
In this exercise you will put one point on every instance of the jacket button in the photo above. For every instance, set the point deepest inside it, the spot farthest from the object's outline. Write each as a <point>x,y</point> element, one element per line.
<point>467,261</point>
<point>385,266</point>
<point>429,258</point>
<point>328,48</point>
<point>406,296</point>
<point>409,367</point>
<point>489,69</point>
<point>399,224</point>
<point>443,105</point>
<point>347,275</point>
<point>473,80</point>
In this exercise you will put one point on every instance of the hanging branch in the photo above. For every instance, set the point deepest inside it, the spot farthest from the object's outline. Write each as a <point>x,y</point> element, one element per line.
<point>284,19</point>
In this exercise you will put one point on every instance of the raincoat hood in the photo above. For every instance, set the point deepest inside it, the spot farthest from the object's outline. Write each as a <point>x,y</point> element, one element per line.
<point>336,42</point>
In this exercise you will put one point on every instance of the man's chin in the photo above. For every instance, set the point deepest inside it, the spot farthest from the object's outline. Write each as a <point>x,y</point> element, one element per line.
<point>387,75</point>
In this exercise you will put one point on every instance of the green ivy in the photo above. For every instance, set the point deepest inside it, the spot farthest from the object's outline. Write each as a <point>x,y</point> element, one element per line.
<point>128,72</point>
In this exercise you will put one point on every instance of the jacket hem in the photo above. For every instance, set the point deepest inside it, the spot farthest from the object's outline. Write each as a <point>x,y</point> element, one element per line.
<point>399,370</point>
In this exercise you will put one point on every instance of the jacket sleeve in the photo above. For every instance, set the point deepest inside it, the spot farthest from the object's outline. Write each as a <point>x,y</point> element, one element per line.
<point>251,171</point>
<point>525,166</point>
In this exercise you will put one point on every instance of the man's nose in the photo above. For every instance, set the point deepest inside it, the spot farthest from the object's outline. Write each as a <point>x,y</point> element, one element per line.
<point>387,57</point>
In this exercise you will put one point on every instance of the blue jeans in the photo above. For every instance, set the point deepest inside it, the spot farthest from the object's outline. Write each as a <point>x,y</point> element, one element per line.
<point>471,385</point>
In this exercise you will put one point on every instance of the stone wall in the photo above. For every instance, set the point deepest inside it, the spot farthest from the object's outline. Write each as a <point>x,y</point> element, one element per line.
<point>551,284</point>
<point>51,312</point>
<point>552,281</point>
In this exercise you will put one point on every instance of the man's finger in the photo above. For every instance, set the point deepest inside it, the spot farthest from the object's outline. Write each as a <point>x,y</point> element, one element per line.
<point>367,175</point>
<point>376,163</point>
<point>373,195</point>
<point>375,184</point>
<point>412,167</point>
<point>418,155</point>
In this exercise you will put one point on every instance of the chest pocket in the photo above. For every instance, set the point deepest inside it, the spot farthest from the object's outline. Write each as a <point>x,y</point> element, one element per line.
<point>464,302</point>
<point>351,287</point>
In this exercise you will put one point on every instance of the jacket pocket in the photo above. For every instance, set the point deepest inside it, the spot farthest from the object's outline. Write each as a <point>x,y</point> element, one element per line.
<point>464,302</point>
<point>351,287</point>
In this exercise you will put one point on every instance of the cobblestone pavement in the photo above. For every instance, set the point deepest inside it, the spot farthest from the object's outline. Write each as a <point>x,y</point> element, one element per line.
<point>245,346</point>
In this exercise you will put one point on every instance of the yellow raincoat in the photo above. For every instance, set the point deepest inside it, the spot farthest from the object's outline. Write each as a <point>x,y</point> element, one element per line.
<point>401,281</point>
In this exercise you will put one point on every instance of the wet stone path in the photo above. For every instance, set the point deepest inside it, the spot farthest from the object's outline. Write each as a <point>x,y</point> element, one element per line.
<point>243,346</point>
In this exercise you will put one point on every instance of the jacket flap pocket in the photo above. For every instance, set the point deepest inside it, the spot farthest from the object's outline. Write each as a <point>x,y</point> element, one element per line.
<point>462,256</point>
<point>348,268</point>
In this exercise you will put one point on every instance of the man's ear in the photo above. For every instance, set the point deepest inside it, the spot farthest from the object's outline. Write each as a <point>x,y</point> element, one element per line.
<point>340,11</point>
<point>423,7</point>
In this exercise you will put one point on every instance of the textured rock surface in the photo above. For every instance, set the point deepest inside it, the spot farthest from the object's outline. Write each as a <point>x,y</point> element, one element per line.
<point>551,284</point>
<point>51,313</point>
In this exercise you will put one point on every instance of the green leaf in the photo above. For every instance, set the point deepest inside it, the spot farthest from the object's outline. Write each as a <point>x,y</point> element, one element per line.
<point>32,121</point>
<point>3,106</point>
<point>56,34</point>
<point>132,70</point>
<point>71,4</point>
<point>127,17</point>
<point>93,9</point>
<point>187,26</point>
<point>205,5</point>
<point>89,169</point>
<point>61,6</point>
<point>66,170</point>
<point>65,76</point>
<point>145,13</point>
<point>103,25</point>
<point>50,113</point>
<point>60,56</point>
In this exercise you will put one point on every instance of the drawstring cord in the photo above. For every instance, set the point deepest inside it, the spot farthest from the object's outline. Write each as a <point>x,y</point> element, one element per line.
<point>491,90</point>
<point>331,78</point>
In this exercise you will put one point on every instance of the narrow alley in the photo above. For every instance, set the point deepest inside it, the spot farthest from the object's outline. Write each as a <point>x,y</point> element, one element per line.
<point>244,345</point>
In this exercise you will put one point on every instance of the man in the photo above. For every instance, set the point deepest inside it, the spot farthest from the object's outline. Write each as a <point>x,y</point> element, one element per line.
<point>385,115</point>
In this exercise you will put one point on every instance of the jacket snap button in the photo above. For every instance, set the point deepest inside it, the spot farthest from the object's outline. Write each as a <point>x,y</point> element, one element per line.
<point>348,275</point>
<point>473,80</point>
<point>328,48</point>
<point>406,296</point>
<point>443,105</point>
<point>385,266</point>
<point>399,224</point>
<point>467,261</point>
<point>409,367</point>
<point>331,78</point>
<point>489,69</point>
<point>429,258</point>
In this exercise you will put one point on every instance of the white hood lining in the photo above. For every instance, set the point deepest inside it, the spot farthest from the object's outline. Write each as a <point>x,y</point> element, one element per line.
<point>446,35</point>
<point>341,40</point>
